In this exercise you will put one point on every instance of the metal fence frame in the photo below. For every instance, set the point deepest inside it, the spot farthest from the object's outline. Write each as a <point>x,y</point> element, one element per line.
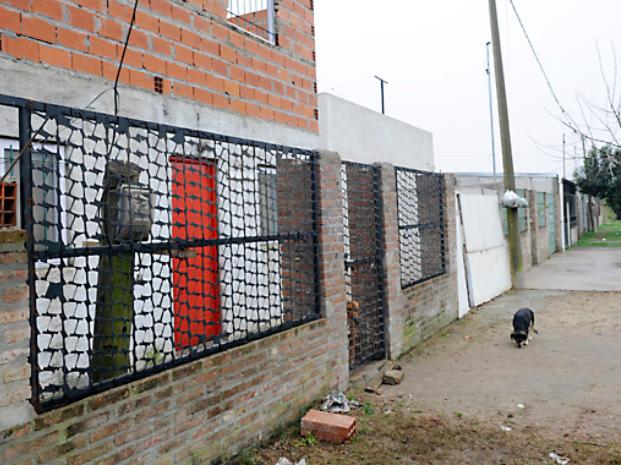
<point>373,344</point>
<point>439,224</point>
<point>26,108</point>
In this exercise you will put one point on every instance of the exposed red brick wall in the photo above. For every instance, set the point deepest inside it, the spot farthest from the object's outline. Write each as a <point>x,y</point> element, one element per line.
<point>187,42</point>
<point>417,312</point>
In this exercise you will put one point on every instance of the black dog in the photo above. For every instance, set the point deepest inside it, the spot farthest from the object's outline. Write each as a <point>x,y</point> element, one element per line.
<point>523,322</point>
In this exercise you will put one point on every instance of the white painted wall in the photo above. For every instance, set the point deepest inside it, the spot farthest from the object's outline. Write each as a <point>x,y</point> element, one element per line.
<point>362,135</point>
<point>462,279</point>
<point>62,87</point>
<point>480,183</point>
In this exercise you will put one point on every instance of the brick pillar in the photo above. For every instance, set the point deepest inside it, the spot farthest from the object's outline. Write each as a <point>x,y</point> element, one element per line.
<point>394,297</point>
<point>15,389</point>
<point>332,264</point>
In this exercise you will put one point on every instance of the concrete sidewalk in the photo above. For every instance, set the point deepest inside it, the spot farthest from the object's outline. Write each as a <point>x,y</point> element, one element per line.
<point>578,270</point>
<point>567,379</point>
<point>564,384</point>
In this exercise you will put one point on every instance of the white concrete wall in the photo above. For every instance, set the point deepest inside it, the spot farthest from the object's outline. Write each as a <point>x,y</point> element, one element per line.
<point>61,87</point>
<point>362,135</point>
<point>485,183</point>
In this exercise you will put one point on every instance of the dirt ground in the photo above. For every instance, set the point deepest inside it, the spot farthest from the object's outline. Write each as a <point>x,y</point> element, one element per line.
<point>467,386</point>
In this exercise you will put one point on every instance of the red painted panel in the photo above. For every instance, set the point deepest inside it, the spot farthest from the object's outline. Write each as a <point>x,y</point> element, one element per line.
<point>195,274</point>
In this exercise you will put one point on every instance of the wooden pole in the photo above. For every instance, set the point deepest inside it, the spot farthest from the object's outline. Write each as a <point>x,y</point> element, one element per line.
<point>505,139</point>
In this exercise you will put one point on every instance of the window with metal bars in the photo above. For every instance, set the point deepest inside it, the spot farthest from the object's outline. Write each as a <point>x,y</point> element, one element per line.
<point>255,16</point>
<point>421,218</point>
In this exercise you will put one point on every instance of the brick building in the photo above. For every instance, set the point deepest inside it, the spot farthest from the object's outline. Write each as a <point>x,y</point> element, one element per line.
<point>197,273</point>
<point>190,63</point>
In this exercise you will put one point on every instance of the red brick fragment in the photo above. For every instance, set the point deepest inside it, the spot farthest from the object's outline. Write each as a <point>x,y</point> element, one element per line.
<point>330,427</point>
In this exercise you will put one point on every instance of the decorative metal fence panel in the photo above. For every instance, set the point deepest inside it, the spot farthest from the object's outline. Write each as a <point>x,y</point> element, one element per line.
<point>364,262</point>
<point>421,218</point>
<point>153,245</point>
<point>255,16</point>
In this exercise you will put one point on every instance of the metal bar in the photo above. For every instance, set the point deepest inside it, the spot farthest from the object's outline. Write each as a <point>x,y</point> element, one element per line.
<point>442,191</point>
<point>25,169</point>
<point>163,247</point>
<point>408,227</point>
<point>380,256</point>
<point>271,21</point>
<point>315,226</point>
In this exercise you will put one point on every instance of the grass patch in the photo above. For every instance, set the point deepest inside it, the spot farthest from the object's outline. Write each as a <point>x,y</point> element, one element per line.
<point>608,235</point>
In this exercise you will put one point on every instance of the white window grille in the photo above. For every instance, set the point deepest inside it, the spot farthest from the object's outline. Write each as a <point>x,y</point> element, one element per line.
<point>254,16</point>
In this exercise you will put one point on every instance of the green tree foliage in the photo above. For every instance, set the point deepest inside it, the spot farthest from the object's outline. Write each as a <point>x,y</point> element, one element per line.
<point>601,176</point>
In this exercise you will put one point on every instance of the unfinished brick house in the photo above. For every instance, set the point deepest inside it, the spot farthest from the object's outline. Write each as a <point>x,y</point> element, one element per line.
<point>195,272</point>
<point>178,307</point>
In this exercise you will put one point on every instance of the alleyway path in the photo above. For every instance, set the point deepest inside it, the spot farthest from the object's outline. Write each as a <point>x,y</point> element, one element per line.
<point>594,269</point>
<point>560,394</point>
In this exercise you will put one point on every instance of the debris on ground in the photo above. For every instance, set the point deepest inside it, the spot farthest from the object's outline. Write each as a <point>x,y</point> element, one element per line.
<point>506,429</point>
<point>330,427</point>
<point>522,406</point>
<point>559,459</point>
<point>393,377</point>
<point>376,380</point>
<point>284,461</point>
<point>338,403</point>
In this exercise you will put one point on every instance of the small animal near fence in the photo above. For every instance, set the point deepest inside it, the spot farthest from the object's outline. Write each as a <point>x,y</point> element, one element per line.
<point>151,245</point>
<point>421,221</point>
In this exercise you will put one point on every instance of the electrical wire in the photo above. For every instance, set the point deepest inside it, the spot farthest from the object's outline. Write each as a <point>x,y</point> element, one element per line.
<point>539,62</point>
<point>97,97</point>
<point>118,73</point>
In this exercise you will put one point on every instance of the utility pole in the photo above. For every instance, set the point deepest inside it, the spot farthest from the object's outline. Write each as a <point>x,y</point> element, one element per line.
<point>491,111</point>
<point>382,83</point>
<point>564,157</point>
<point>505,139</point>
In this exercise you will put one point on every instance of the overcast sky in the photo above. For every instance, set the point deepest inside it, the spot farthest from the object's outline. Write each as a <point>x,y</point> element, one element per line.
<point>433,55</point>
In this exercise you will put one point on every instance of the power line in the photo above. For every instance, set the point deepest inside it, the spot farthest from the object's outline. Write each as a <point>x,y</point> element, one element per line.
<point>118,73</point>
<point>536,55</point>
<point>97,97</point>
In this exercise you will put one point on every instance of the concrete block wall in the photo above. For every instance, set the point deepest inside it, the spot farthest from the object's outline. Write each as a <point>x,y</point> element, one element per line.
<point>198,413</point>
<point>418,312</point>
<point>189,44</point>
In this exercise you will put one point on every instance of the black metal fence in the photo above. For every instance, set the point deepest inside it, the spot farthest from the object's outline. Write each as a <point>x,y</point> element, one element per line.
<point>151,245</point>
<point>421,217</point>
<point>364,262</point>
